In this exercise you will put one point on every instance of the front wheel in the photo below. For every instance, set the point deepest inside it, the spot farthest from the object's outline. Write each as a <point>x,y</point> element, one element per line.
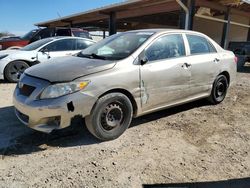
<point>14,69</point>
<point>219,90</point>
<point>110,117</point>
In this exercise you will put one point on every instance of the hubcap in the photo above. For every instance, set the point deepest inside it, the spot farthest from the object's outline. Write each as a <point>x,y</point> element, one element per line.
<point>221,88</point>
<point>16,70</point>
<point>112,116</point>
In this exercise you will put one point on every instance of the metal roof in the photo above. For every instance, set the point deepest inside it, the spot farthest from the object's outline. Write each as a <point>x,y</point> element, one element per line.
<point>139,8</point>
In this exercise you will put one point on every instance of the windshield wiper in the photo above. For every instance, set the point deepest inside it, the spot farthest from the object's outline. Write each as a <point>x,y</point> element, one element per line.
<point>92,56</point>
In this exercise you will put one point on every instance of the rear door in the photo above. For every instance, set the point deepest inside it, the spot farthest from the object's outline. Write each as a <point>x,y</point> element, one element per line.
<point>164,78</point>
<point>204,61</point>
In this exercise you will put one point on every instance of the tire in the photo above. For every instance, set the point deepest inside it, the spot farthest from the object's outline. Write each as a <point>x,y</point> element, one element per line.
<point>14,69</point>
<point>219,90</point>
<point>110,117</point>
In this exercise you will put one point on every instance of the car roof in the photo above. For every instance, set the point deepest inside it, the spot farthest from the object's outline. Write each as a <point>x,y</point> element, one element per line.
<point>68,37</point>
<point>162,30</point>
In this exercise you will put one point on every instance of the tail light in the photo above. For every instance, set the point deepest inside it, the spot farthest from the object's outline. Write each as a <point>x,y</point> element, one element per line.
<point>236,59</point>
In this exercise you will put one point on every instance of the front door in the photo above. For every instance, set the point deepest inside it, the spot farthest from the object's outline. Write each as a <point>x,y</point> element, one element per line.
<point>165,77</point>
<point>58,48</point>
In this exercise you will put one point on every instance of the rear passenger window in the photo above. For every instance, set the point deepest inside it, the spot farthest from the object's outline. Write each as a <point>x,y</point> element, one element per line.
<point>169,46</point>
<point>63,32</point>
<point>199,45</point>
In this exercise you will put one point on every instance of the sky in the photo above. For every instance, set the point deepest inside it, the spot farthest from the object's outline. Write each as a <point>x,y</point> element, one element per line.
<point>19,16</point>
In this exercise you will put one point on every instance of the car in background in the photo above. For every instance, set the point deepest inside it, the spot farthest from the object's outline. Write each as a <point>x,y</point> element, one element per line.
<point>37,34</point>
<point>14,62</point>
<point>17,42</point>
<point>123,76</point>
<point>242,51</point>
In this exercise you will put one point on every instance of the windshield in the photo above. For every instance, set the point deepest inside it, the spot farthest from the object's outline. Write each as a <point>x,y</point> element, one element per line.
<point>116,47</point>
<point>29,35</point>
<point>37,44</point>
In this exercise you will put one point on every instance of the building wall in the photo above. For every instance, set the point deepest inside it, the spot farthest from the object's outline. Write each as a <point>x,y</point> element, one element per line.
<point>214,29</point>
<point>238,33</point>
<point>211,28</point>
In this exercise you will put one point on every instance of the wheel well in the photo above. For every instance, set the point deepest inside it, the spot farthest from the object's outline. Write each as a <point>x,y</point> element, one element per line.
<point>225,73</point>
<point>125,92</point>
<point>28,62</point>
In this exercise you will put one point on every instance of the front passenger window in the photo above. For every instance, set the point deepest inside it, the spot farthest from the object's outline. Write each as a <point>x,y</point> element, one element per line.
<point>61,45</point>
<point>169,46</point>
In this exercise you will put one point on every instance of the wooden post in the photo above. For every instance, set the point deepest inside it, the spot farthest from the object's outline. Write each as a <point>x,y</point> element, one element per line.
<point>112,23</point>
<point>226,27</point>
<point>104,34</point>
<point>191,8</point>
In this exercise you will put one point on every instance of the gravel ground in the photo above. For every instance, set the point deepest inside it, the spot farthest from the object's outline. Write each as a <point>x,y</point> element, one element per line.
<point>191,143</point>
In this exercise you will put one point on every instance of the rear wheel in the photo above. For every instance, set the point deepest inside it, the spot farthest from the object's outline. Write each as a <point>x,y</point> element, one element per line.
<point>219,90</point>
<point>14,69</point>
<point>110,117</point>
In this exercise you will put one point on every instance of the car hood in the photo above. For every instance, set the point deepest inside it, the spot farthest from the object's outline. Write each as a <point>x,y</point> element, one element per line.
<point>63,69</point>
<point>7,52</point>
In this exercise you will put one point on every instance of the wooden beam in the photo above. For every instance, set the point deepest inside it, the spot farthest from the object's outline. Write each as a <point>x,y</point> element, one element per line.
<point>220,7</point>
<point>149,10</point>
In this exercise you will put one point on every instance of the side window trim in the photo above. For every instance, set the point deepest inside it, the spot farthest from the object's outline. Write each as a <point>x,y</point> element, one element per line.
<point>186,43</point>
<point>163,35</point>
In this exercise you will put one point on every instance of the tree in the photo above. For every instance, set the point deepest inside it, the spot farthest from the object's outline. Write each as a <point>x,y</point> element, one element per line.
<point>6,33</point>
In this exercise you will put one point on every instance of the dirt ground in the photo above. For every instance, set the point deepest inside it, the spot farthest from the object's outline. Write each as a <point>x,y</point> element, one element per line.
<point>191,143</point>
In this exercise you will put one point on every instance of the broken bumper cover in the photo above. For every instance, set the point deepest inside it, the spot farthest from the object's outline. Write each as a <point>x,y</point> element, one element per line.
<point>49,114</point>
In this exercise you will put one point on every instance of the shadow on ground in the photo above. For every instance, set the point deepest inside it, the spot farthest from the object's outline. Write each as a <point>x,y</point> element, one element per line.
<point>4,82</point>
<point>243,69</point>
<point>231,183</point>
<point>16,139</point>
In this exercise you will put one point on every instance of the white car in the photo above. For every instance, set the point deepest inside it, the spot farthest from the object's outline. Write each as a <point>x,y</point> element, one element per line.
<point>14,62</point>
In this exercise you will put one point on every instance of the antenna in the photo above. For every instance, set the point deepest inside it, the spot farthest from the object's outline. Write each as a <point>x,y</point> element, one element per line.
<point>58,14</point>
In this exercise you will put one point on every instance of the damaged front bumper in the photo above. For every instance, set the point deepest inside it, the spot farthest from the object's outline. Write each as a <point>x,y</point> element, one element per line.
<point>48,114</point>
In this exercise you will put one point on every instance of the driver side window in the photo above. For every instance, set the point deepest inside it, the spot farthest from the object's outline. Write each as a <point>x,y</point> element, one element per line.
<point>169,46</point>
<point>61,45</point>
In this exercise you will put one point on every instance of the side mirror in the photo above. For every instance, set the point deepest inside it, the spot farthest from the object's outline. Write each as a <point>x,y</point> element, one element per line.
<point>144,60</point>
<point>45,51</point>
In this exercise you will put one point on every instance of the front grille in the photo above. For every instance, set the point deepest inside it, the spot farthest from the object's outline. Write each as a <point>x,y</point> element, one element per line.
<point>26,90</point>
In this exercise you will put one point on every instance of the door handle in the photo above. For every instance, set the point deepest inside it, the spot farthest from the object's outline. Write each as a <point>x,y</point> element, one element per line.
<point>186,65</point>
<point>216,60</point>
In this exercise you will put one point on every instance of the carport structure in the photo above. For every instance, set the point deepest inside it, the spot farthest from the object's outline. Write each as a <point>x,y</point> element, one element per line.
<point>222,20</point>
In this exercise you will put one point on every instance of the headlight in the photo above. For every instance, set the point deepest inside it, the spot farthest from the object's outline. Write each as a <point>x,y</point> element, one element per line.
<point>61,89</point>
<point>3,56</point>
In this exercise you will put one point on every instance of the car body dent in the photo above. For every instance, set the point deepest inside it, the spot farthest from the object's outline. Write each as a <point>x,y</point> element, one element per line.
<point>40,111</point>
